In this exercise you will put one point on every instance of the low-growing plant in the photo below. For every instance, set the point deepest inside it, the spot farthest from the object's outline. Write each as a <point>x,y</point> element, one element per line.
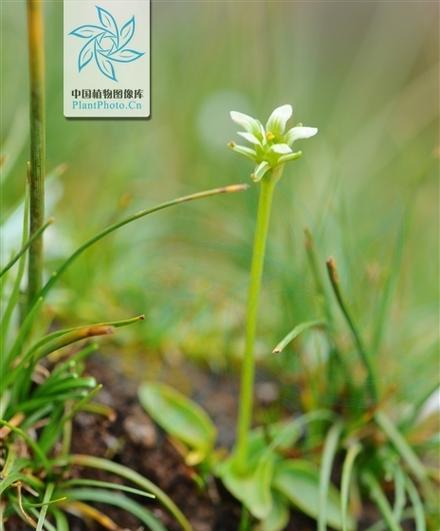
<point>344,429</point>
<point>43,382</point>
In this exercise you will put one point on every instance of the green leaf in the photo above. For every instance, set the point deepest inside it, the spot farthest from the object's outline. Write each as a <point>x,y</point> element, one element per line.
<point>278,517</point>
<point>251,487</point>
<point>298,481</point>
<point>180,417</point>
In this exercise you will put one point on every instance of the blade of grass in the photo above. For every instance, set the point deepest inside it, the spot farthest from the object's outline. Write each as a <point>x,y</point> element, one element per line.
<point>399,494</point>
<point>233,188</point>
<point>412,418</point>
<point>131,475</point>
<point>364,356</point>
<point>28,440</point>
<point>336,363</point>
<point>328,456</point>
<point>47,497</point>
<point>54,335</point>
<point>295,332</point>
<point>118,500</point>
<point>347,470</point>
<point>22,335</point>
<point>56,344</point>
<point>60,520</point>
<point>87,512</point>
<point>390,283</point>
<point>416,502</point>
<point>381,501</point>
<point>319,285</point>
<point>381,525</point>
<point>403,448</point>
<point>26,246</point>
<point>105,484</point>
<point>13,299</point>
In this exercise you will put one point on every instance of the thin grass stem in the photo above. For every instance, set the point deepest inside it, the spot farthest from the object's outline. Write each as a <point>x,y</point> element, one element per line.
<point>365,358</point>
<point>38,144</point>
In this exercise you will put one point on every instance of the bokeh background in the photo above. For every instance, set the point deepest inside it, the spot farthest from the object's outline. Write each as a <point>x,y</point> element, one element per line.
<point>365,73</point>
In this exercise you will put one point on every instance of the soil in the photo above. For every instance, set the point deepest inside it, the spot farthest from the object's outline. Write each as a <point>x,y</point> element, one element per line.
<point>133,439</point>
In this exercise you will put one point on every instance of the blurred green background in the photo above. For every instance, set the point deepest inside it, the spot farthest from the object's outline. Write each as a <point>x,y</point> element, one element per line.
<point>365,73</point>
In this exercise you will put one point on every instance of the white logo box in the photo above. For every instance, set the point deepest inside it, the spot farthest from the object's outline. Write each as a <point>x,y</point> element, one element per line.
<point>107,58</point>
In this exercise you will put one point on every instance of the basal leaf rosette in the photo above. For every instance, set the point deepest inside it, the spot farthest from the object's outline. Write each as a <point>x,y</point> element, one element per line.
<point>271,146</point>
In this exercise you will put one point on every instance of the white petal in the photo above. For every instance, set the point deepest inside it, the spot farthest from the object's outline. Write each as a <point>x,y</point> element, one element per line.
<point>260,171</point>
<point>249,137</point>
<point>296,133</point>
<point>248,123</point>
<point>282,149</point>
<point>278,119</point>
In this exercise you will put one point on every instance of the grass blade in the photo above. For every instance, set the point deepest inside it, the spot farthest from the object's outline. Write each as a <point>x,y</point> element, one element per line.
<point>400,444</point>
<point>399,494</point>
<point>107,485</point>
<point>387,289</point>
<point>328,456</point>
<point>108,230</point>
<point>293,334</point>
<point>118,500</point>
<point>60,520</point>
<point>131,475</point>
<point>26,246</point>
<point>46,501</point>
<point>347,470</point>
<point>365,358</point>
<point>379,498</point>
<point>416,502</point>
<point>28,440</point>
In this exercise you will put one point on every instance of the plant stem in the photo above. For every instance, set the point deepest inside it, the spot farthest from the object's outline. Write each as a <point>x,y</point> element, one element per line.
<point>248,369</point>
<point>38,144</point>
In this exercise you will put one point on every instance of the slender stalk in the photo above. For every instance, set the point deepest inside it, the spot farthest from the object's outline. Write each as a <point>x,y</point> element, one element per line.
<point>232,188</point>
<point>38,144</point>
<point>365,358</point>
<point>25,247</point>
<point>248,369</point>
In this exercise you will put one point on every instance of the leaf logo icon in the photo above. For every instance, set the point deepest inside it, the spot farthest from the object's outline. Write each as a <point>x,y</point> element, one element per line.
<point>106,44</point>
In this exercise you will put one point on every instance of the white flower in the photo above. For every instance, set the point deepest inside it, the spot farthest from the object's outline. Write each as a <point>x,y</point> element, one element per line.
<point>271,145</point>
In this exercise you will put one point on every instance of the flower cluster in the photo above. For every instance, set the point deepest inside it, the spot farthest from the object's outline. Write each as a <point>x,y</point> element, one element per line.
<point>271,145</point>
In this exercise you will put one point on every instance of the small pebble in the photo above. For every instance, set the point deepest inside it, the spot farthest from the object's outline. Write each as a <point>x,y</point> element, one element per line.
<point>267,392</point>
<point>140,429</point>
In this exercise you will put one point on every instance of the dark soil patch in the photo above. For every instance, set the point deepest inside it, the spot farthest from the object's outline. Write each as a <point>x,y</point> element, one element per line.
<point>134,440</point>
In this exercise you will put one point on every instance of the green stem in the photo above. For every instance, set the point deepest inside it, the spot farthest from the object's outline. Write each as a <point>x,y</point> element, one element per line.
<point>38,144</point>
<point>248,369</point>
